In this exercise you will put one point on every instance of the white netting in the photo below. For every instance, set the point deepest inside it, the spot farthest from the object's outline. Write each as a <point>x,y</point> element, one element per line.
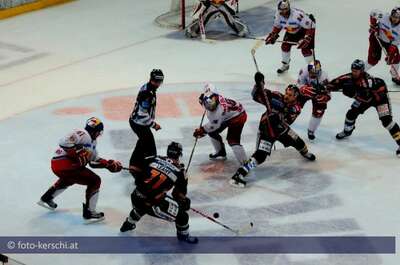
<point>173,17</point>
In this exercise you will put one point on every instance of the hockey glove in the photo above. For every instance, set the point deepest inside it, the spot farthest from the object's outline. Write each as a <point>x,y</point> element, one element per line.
<point>271,38</point>
<point>114,166</point>
<point>83,157</point>
<point>199,132</point>
<point>304,43</point>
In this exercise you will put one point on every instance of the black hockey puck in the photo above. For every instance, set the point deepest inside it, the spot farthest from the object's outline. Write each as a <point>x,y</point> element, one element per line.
<point>251,224</point>
<point>216,215</point>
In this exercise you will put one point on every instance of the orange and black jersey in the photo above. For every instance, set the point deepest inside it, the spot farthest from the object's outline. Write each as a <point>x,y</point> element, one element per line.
<point>160,176</point>
<point>364,89</point>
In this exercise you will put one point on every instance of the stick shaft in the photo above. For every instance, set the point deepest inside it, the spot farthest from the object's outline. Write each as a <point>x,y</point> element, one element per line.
<point>194,145</point>
<point>215,221</point>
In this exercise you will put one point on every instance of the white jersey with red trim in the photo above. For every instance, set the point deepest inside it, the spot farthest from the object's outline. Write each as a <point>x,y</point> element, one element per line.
<point>387,31</point>
<point>297,19</point>
<point>77,139</point>
<point>305,79</point>
<point>226,110</point>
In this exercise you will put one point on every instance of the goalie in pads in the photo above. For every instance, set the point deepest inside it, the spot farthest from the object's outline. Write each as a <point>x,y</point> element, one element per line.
<point>207,10</point>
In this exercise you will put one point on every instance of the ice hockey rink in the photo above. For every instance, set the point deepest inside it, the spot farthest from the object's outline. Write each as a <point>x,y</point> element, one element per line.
<point>62,65</point>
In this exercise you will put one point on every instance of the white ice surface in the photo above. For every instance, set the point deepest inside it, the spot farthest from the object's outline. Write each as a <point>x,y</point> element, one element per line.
<point>91,47</point>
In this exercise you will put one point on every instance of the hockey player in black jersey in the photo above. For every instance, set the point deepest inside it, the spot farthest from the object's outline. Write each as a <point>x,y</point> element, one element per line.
<point>367,91</point>
<point>158,176</point>
<point>281,111</point>
<point>142,120</point>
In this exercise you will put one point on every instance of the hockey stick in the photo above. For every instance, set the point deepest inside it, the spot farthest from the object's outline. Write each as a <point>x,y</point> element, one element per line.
<point>241,231</point>
<point>263,39</point>
<point>194,146</point>
<point>393,69</point>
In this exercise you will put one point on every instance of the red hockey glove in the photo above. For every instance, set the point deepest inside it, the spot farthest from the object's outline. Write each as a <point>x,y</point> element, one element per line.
<point>83,157</point>
<point>393,55</point>
<point>199,132</point>
<point>113,166</point>
<point>304,43</point>
<point>307,91</point>
<point>324,98</point>
<point>271,38</point>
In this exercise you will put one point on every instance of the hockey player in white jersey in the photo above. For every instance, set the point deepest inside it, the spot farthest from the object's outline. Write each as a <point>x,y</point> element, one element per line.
<point>222,113</point>
<point>385,28</point>
<point>207,10</point>
<point>312,81</point>
<point>76,150</point>
<point>300,29</point>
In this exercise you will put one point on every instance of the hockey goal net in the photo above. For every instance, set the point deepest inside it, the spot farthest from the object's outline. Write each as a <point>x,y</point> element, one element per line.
<point>178,15</point>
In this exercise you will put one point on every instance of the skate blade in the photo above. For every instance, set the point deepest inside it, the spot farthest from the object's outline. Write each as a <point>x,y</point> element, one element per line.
<point>236,184</point>
<point>220,158</point>
<point>44,205</point>
<point>94,221</point>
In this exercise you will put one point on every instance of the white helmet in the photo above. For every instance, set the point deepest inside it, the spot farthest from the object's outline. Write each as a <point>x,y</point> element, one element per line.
<point>210,97</point>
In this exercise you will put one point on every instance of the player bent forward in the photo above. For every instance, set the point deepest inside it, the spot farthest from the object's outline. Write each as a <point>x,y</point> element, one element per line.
<point>159,175</point>
<point>207,10</point>
<point>312,81</point>
<point>222,113</point>
<point>75,151</point>
<point>282,110</point>
<point>368,92</point>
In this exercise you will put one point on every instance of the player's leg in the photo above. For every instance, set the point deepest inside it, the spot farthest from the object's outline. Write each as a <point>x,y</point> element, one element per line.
<point>291,138</point>
<point>145,146</point>
<point>356,109</point>
<point>63,169</point>
<point>219,146</point>
<point>233,21</point>
<point>385,115</point>
<point>318,110</point>
<point>235,129</point>
<point>92,182</point>
<point>393,59</point>
<point>265,141</point>
<point>286,48</point>
<point>139,208</point>
<point>203,14</point>
<point>374,52</point>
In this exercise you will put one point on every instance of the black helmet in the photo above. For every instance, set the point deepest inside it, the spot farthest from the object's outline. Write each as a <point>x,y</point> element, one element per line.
<point>174,150</point>
<point>157,75</point>
<point>295,89</point>
<point>358,65</point>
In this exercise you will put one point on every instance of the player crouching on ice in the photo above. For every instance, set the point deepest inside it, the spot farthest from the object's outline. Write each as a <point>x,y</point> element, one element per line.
<point>282,110</point>
<point>75,151</point>
<point>300,29</point>
<point>222,113</point>
<point>158,176</point>
<point>385,32</point>
<point>207,10</point>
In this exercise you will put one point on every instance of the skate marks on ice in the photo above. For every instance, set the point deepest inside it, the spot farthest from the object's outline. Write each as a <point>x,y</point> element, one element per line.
<point>14,55</point>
